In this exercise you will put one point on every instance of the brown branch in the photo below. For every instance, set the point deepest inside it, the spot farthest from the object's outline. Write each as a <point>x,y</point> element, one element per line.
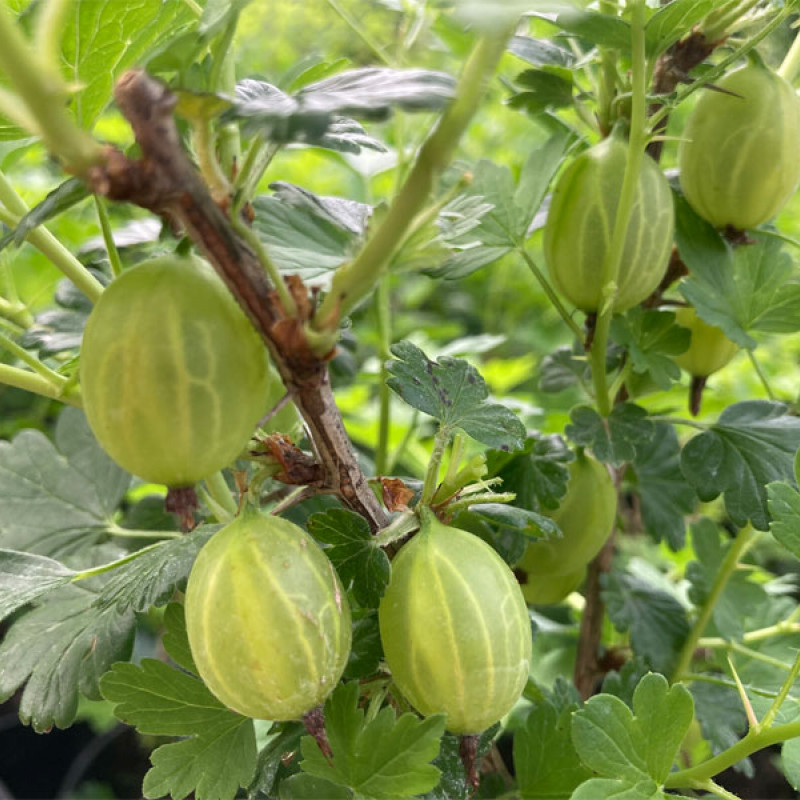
<point>166,182</point>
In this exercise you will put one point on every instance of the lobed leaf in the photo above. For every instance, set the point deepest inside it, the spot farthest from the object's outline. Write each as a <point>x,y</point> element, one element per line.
<point>615,440</point>
<point>25,578</point>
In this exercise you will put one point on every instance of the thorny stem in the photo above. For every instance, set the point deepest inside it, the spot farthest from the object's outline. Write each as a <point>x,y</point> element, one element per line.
<point>736,550</point>
<point>633,167</point>
<point>772,713</point>
<point>354,281</point>
<point>551,294</point>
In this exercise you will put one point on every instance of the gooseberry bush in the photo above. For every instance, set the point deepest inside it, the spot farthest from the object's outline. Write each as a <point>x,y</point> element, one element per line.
<point>359,466</point>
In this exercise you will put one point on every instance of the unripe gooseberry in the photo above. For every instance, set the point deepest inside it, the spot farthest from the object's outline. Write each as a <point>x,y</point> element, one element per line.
<point>455,629</point>
<point>709,349</point>
<point>267,618</point>
<point>174,377</point>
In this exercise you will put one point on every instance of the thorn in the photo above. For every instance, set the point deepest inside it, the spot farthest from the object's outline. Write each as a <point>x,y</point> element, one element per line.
<point>752,720</point>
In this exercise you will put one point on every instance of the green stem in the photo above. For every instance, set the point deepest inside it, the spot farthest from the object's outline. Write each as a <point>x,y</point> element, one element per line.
<point>736,647</point>
<point>762,377</point>
<point>249,235</point>
<point>44,95</point>
<point>477,499</point>
<point>194,7</point>
<point>258,158</point>
<point>736,550</point>
<point>16,313</point>
<point>108,236</point>
<point>694,777</point>
<point>229,141</point>
<point>716,789</point>
<point>689,423</point>
<point>32,382</point>
<point>112,565</point>
<point>132,533</point>
<point>409,435</point>
<point>353,282</point>
<point>791,678</point>
<point>791,63</point>
<point>715,26</point>
<point>456,454</point>
<point>30,359</point>
<point>359,31</point>
<point>719,69</point>
<point>221,494</point>
<point>432,474</point>
<point>699,677</point>
<point>623,376</point>
<point>217,511</point>
<point>384,316</point>
<point>48,245</point>
<point>779,629</point>
<point>551,294</point>
<point>50,25</point>
<point>205,148</point>
<point>611,264</point>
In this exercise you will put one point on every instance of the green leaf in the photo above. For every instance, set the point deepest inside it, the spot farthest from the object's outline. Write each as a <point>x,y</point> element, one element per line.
<point>362,565</point>
<point>104,38</point>
<point>57,499</point>
<point>540,52</point>
<point>217,14</point>
<point>387,757</point>
<point>302,240</point>
<point>175,640</point>
<point>546,762</point>
<point>537,475</point>
<point>542,89</point>
<point>790,762</point>
<point>672,22</point>
<point>562,369</point>
<point>151,578</point>
<point>656,621</point>
<point>309,787</point>
<point>752,444</point>
<point>651,337</point>
<point>784,509</point>
<point>366,650</point>
<point>639,745</point>
<point>607,789</point>
<point>759,292</point>
<point>616,439</point>
<point>69,193</point>
<point>528,524</point>
<point>602,29</point>
<point>24,578</point>
<point>271,769</point>
<point>720,713</point>
<point>58,650</point>
<point>453,392</point>
<point>219,756</point>
<point>665,496</point>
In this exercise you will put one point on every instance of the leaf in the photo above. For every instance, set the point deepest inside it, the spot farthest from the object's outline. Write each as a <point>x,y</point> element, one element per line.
<point>562,369</point>
<point>69,193</point>
<point>362,565</point>
<point>151,577</point>
<point>542,89</point>
<point>219,756</point>
<point>299,240</point>
<point>540,52</point>
<point>348,215</point>
<point>537,475</point>
<point>175,639</point>
<point>453,392</point>
<point>57,499</point>
<point>366,93</point>
<point>784,508</point>
<point>24,578</point>
<point>790,762</point>
<point>387,757</point>
<point>638,745</point>
<point>672,22</point>
<point>271,769</point>
<point>546,762</point>
<point>657,622</point>
<point>651,337</point>
<point>616,439</point>
<point>309,787</point>
<point>666,498</point>
<point>602,29</point>
<point>606,789</point>
<point>366,650</point>
<point>104,38</point>
<point>720,713</point>
<point>59,649</point>
<point>758,292</point>
<point>751,445</point>
<point>528,523</point>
